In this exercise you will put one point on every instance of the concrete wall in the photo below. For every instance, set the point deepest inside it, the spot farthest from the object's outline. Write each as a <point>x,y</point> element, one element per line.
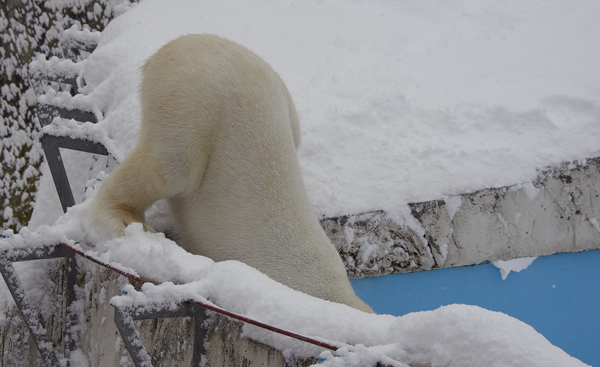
<point>557,212</point>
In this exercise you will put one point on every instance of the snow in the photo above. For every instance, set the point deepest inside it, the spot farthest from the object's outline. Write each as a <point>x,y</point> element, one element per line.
<point>454,335</point>
<point>83,36</point>
<point>531,192</point>
<point>516,265</point>
<point>453,205</point>
<point>399,102</point>
<point>449,336</point>
<point>53,67</point>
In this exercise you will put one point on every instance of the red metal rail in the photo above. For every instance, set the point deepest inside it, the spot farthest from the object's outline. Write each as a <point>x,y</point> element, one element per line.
<point>215,308</point>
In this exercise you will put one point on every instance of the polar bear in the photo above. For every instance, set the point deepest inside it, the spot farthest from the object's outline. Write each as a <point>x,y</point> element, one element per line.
<point>218,140</point>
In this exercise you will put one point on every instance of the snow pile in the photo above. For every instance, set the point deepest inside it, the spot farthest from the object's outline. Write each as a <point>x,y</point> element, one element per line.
<point>455,335</point>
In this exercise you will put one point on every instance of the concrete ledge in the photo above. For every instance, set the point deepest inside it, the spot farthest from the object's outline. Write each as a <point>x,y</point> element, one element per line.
<point>557,212</point>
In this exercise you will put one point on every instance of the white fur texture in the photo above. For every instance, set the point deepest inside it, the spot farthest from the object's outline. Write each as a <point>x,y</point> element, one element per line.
<point>218,140</point>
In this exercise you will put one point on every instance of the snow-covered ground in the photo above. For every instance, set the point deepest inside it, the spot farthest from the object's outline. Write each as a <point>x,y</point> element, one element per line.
<point>399,102</point>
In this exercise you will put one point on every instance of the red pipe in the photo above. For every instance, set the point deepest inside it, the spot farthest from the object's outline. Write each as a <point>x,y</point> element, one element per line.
<point>214,308</point>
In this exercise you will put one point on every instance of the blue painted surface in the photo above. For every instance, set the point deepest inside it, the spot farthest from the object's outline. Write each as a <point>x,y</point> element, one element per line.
<point>558,295</point>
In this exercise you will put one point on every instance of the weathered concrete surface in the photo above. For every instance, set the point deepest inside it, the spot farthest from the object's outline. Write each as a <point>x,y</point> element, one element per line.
<point>97,337</point>
<point>373,244</point>
<point>168,341</point>
<point>557,212</point>
<point>16,346</point>
<point>227,348</point>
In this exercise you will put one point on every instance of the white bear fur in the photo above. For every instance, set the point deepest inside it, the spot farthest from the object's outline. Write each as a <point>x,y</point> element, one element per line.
<point>218,139</point>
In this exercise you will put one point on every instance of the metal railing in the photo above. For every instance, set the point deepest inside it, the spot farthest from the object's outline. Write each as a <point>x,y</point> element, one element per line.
<point>124,315</point>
